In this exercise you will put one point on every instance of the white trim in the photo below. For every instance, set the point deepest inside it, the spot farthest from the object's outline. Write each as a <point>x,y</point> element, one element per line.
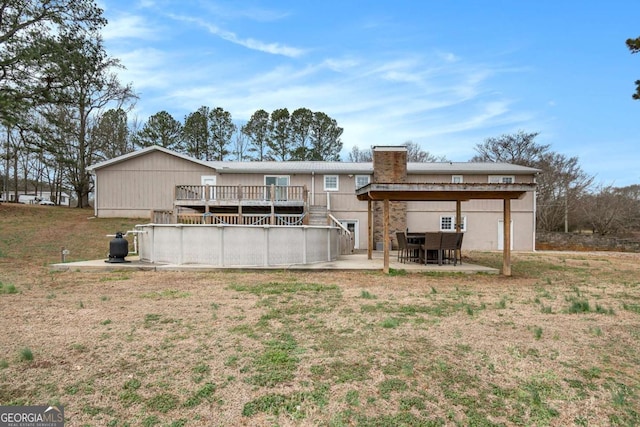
<point>457,179</point>
<point>95,195</point>
<point>389,148</point>
<point>145,151</point>
<point>288,177</point>
<point>336,188</point>
<point>368,177</point>
<point>209,180</point>
<point>453,223</point>
<point>356,230</point>
<point>500,179</point>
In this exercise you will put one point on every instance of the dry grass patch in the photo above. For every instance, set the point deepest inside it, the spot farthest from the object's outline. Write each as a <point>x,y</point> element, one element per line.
<point>557,344</point>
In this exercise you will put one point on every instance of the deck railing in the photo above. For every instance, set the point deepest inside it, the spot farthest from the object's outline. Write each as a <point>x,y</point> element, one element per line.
<point>239,193</point>
<point>241,219</point>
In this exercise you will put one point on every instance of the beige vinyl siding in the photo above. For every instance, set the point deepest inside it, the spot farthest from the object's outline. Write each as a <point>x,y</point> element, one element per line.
<point>482,228</point>
<point>482,220</point>
<point>135,187</point>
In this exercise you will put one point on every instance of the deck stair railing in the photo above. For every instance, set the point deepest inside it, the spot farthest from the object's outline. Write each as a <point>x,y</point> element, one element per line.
<point>346,238</point>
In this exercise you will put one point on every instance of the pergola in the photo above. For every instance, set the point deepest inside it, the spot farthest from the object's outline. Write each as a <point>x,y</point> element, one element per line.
<point>412,192</point>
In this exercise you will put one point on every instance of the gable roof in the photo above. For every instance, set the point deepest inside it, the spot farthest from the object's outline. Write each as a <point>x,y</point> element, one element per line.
<point>321,167</point>
<point>142,152</point>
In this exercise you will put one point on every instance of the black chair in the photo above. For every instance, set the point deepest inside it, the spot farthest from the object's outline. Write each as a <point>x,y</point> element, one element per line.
<point>458,251</point>
<point>407,251</point>
<point>449,247</point>
<point>432,242</point>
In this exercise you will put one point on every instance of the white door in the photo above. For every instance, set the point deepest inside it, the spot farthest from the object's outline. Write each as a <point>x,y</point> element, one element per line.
<point>209,180</point>
<point>353,227</point>
<point>280,182</point>
<point>501,235</point>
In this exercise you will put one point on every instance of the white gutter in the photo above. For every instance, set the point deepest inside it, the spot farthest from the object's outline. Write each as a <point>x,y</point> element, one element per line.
<point>95,194</point>
<point>535,211</point>
<point>313,188</point>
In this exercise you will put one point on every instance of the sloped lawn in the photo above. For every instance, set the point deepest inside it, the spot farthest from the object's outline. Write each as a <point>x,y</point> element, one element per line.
<point>557,344</point>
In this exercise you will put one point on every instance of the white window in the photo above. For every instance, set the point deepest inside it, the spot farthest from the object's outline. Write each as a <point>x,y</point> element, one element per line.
<point>501,179</point>
<point>362,180</point>
<point>280,182</point>
<point>331,183</point>
<point>456,179</point>
<point>448,223</point>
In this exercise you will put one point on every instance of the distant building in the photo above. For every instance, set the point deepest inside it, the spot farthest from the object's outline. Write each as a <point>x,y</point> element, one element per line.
<point>31,198</point>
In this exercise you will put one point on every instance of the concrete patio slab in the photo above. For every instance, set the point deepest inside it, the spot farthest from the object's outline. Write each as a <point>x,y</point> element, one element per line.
<point>356,261</point>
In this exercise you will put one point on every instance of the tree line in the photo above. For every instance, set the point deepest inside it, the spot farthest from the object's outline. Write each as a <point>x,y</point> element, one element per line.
<point>62,108</point>
<point>211,134</point>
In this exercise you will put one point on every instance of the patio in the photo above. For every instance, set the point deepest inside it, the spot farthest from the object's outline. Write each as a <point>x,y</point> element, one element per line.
<point>356,261</point>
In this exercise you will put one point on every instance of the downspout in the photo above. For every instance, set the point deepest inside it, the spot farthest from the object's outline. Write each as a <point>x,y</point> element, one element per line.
<point>535,211</point>
<point>313,188</point>
<point>95,193</point>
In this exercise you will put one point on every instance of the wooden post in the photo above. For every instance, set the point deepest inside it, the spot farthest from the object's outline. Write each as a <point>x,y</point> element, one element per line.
<point>385,236</point>
<point>305,205</point>
<point>506,245</point>
<point>369,230</point>
<point>272,190</point>
<point>458,252</point>
<point>239,204</point>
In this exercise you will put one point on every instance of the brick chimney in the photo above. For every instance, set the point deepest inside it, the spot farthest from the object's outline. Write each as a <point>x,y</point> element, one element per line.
<point>389,167</point>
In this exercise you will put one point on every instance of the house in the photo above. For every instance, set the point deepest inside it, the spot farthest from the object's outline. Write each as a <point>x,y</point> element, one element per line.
<point>35,198</point>
<point>158,180</point>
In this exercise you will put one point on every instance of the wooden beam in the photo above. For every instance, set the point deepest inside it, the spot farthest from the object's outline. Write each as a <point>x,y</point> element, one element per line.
<point>369,230</point>
<point>385,237</point>
<point>458,252</point>
<point>506,245</point>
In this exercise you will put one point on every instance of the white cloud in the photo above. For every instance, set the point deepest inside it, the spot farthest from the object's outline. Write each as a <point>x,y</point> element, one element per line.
<point>250,43</point>
<point>129,27</point>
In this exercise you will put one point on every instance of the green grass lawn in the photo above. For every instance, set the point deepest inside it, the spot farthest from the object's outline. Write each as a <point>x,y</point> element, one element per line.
<point>556,344</point>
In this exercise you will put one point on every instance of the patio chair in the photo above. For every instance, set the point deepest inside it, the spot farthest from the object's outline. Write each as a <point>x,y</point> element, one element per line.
<point>458,251</point>
<point>449,246</point>
<point>407,251</point>
<point>432,242</point>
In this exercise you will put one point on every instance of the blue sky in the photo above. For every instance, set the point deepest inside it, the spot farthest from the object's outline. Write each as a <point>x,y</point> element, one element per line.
<point>443,74</point>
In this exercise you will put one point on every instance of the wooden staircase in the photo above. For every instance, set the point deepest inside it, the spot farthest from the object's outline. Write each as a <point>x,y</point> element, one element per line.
<point>317,215</point>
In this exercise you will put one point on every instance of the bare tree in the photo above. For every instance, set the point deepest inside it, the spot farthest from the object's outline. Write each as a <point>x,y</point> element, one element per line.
<point>560,186</point>
<point>610,210</point>
<point>415,153</point>
<point>360,156</point>
<point>560,183</point>
<point>241,147</point>
<point>519,148</point>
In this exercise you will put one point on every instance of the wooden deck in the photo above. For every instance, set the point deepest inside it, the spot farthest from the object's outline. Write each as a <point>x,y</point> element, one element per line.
<point>240,195</point>
<point>237,205</point>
